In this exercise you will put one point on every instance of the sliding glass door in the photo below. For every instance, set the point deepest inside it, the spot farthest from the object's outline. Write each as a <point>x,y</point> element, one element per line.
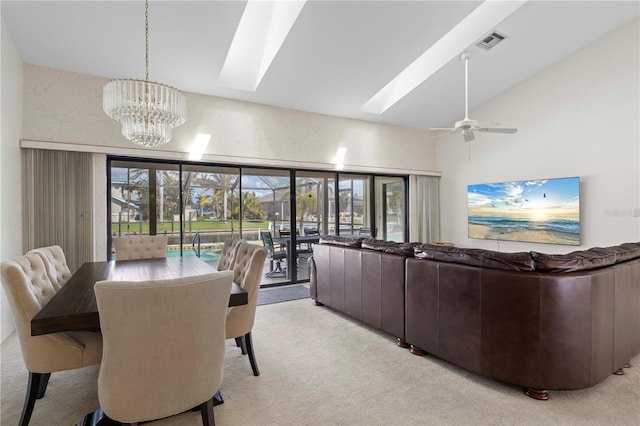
<point>210,215</point>
<point>266,219</point>
<point>314,215</point>
<point>145,200</point>
<point>390,208</point>
<point>354,206</point>
<point>199,206</point>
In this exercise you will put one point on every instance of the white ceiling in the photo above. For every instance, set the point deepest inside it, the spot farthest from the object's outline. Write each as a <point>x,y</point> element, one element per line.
<point>337,55</point>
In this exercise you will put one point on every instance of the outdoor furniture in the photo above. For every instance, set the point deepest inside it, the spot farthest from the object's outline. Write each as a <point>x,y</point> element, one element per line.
<point>29,288</point>
<point>164,346</point>
<point>275,255</point>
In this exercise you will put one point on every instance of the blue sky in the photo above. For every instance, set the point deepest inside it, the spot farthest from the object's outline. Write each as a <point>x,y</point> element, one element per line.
<point>536,198</point>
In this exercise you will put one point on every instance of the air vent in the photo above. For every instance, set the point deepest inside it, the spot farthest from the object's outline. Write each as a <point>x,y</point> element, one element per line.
<point>491,40</point>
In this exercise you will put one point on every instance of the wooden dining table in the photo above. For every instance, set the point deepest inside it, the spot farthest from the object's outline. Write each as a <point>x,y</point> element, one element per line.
<point>74,307</point>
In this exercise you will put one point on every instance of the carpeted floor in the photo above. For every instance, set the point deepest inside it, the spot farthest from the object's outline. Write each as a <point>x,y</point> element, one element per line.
<point>319,367</point>
<point>267,296</point>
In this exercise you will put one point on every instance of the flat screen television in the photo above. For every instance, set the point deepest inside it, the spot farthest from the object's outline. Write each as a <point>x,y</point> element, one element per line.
<point>536,211</point>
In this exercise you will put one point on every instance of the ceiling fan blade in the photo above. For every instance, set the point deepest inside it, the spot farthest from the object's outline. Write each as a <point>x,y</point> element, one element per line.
<point>448,131</point>
<point>437,129</point>
<point>496,130</point>
<point>488,124</point>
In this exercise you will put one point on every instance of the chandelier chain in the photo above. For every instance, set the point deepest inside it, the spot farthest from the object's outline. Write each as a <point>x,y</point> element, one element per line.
<point>146,39</point>
<point>147,111</point>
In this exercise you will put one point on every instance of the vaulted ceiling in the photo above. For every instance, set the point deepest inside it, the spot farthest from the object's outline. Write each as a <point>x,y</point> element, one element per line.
<point>337,55</point>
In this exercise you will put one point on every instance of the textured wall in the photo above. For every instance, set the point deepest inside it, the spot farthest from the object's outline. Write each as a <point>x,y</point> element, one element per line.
<point>10,170</point>
<point>67,107</point>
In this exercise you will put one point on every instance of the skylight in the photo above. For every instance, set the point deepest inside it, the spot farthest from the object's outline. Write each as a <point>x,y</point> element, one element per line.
<point>476,25</point>
<point>262,29</point>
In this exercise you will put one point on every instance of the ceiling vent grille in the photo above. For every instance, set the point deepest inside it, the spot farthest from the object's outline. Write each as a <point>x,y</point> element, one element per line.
<point>491,40</point>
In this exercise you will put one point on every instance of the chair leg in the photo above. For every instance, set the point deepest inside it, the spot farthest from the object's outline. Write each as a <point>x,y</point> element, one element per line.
<point>252,356</point>
<point>33,389</point>
<point>206,410</point>
<point>44,381</point>
<point>278,270</point>
<point>242,344</point>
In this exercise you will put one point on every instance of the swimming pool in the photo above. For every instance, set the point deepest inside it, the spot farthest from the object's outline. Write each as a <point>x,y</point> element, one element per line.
<point>206,255</point>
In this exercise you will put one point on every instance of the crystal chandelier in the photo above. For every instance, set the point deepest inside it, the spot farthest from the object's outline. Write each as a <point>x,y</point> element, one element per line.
<point>147,110</point>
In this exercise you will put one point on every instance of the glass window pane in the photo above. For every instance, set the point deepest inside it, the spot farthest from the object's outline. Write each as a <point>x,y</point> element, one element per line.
<point>354,201</point>
<point>390,208</point>
<point>211,209</point>
<point>266,210</point>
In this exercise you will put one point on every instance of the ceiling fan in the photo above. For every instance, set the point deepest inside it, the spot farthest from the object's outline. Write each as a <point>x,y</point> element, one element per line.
<point>468,126</point>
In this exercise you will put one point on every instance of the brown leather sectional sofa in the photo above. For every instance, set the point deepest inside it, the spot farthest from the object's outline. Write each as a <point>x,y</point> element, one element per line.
<point>540,321</point>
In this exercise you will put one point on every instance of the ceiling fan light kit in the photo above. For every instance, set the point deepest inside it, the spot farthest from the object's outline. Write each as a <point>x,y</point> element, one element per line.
<point>467,126</point>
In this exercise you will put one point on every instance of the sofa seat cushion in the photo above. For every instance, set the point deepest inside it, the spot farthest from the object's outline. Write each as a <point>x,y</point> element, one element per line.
<point>593,258</point>
<point>519,261</point>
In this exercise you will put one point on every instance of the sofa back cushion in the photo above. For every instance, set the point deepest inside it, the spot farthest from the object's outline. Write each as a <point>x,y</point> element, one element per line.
<point>593,258</point>
<point>391,247</point>
<point>341,241</point>
<point>519,261</point>
<point>627,251</point>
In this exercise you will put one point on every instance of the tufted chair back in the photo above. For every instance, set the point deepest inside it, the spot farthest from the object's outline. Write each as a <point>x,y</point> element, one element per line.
<point>164,345</point>
<point>140,246</point>
<point>29,288</point>
<point>227,257</point>
<point>56,264</point>
<point>247,273</point>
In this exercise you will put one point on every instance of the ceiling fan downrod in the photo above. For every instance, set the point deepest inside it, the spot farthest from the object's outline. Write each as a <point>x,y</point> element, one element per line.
<point>465,56</point>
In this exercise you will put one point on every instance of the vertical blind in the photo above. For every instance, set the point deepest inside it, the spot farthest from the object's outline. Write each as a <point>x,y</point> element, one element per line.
<point>427,203</point>
<point>58,200</point>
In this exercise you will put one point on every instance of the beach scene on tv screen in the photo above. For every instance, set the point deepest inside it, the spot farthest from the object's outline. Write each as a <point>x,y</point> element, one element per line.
<point>538,211</point>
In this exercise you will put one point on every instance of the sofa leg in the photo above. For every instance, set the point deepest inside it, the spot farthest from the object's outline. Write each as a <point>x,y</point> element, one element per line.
<point>318,303</point>
<point>402,343</point>
<point>539,394</point>
<point>417,351</point>
<point>619,372</point>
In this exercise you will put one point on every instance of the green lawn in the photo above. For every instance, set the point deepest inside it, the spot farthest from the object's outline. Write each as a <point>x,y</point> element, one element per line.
<point>194,226</point>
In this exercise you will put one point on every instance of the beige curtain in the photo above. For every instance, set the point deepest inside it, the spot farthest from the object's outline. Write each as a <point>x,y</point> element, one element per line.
<point>425,208</point>
<point>58,200</point>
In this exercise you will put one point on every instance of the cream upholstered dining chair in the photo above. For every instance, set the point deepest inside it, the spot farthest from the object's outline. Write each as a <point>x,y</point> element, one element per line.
<point>29,288</point>
<point>247,273</point>
<point>164,346</point>
<point>56,264</point>
<point>227,257</point>
<point>140,246</point>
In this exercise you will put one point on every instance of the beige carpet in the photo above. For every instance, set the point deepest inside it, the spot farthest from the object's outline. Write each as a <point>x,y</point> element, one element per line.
<point>321,368</point>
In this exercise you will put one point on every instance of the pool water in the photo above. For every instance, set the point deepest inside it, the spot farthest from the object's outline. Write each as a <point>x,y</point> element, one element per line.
<point>206,255</point>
